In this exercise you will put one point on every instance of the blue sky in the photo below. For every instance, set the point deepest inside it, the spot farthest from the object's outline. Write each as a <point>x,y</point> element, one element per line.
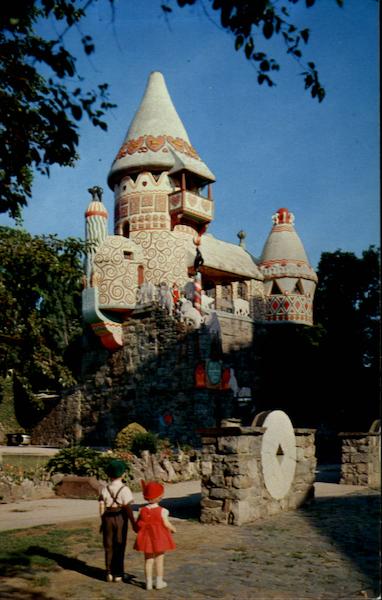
<point>268,147</point>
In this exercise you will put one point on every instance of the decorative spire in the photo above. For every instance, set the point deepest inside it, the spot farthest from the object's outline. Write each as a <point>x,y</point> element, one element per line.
<point>242,235</point>
<point>157,138</point>
<point>283,216</point>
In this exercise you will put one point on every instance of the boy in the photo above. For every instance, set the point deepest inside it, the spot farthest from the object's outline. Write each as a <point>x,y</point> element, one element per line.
<point>115,507</point>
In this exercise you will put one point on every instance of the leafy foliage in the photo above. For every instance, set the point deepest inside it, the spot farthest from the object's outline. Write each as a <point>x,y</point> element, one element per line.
<point>81,461</point>
<point>263,19</point>
<point>348,303</point>
<point>41,99</point>
<point>40,295</point>
<point>348,307</point>
<point>125,437</point>
<point>144,441</point>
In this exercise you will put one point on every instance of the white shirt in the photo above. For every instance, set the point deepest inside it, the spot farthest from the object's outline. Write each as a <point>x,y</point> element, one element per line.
<point>124,497</point>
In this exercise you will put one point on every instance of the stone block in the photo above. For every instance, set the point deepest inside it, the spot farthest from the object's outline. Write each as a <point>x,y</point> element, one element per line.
<point>206,468</point>
<point>219,493</point>
<point>242,481</point>
<point>208,441</point>
<point>209,503</point>
<point>228,445</point>
<point>240,513</point>
<point>72,486</point>
<point>217,479</point>
<point>232,465</point>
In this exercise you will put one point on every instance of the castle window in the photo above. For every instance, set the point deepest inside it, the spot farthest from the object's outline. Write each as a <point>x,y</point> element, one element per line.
<point>141,274</point>
<point>298,288</point>
<point>126,229</point>
<point>127,255</point>
<point>242,290</point>
<point>276,289</point>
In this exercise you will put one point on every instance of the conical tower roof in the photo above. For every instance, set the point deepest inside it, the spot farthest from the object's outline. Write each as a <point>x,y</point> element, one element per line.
<point>157,139</point>
<point>283,253</point>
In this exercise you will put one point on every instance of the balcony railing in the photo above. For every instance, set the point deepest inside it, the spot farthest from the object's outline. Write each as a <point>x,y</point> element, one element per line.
<point>191,205</point>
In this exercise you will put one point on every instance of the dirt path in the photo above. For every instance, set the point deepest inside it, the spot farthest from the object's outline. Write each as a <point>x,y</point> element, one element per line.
<point>328,550</point>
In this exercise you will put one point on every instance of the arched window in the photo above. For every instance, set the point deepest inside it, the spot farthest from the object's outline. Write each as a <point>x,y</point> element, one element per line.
<point>141,274</point>
<point>126,229</point>
<point>242,290</point>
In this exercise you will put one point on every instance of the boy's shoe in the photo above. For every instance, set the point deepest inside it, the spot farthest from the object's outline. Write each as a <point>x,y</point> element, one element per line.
<point>109,577</point>
<point>160,585</point>
<point>117,579</point>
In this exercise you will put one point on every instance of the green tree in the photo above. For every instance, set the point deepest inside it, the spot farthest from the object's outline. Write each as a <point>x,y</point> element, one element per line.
<point>41,98</point>
<point>40,297</point>
<point>347,306</point>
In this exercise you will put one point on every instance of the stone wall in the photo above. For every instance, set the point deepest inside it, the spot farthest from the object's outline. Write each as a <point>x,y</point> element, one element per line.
<point>233,486</point>
<point>237,332</point>
<point>151,376</point>
<point>361,459</point>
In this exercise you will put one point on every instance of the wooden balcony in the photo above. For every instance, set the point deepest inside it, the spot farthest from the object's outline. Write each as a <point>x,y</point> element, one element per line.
<point>189,206</point>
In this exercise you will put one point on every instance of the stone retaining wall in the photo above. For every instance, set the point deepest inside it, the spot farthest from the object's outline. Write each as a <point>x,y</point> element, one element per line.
<point>361,459</point>
<point>233,487</point>
<point>152,375</point>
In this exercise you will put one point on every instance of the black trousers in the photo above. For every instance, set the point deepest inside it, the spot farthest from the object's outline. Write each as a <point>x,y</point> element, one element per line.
<point>114,529</point>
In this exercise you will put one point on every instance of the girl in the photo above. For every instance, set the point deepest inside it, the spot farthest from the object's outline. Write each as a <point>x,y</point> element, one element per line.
<point>154,533</point>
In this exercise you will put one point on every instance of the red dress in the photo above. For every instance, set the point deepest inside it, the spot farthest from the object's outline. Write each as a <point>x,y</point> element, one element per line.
<point>153,537</point>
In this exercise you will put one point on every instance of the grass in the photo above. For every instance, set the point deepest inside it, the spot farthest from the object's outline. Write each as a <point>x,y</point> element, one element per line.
<point>39,547</point>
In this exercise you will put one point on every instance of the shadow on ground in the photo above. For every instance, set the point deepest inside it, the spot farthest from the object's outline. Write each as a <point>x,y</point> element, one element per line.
<point>352,524</point>
<point>187,507</point>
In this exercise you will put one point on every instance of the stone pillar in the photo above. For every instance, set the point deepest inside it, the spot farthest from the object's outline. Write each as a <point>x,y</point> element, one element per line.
<point>233,486</point>
<point>234,287</point>
<point>361,458</point>
<point>218,297</point>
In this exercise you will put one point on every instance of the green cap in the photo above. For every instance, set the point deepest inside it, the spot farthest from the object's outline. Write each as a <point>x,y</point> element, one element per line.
<point>115,468</point>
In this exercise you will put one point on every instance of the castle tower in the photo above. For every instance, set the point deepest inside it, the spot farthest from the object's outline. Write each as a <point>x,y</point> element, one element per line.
<point>289,280</point>
<point>96,218</point>
<point>157,176</point>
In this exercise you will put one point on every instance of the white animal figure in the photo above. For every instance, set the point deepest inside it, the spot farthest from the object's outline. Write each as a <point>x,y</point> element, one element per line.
<point>241,307</point>
<point>207,301</point>
<point>189,290</point>
<point>165,298</point>
<point>211,321</point>
<point>146,293</point>
<point>189,314</point>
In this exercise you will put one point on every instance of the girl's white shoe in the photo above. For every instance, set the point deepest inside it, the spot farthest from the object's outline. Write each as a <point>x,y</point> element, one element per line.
<point>160,584</point>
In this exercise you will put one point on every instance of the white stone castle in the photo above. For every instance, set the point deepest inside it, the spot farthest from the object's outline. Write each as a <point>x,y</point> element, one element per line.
<point>160,251</point>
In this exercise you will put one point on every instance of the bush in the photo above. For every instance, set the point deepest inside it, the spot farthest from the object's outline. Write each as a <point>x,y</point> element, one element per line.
<point>144,441</point>
<point>124,438</point>
<point>80,460</point>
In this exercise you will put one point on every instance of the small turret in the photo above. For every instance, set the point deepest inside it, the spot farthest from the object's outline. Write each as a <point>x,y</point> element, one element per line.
<point>289,280</point>
<point>96,218</point>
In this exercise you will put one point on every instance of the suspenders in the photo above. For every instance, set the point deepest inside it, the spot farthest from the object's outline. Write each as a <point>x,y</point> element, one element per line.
<point>114,498</point>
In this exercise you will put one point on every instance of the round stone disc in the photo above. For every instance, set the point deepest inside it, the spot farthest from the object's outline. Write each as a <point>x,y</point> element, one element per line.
<point>278,453</point>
